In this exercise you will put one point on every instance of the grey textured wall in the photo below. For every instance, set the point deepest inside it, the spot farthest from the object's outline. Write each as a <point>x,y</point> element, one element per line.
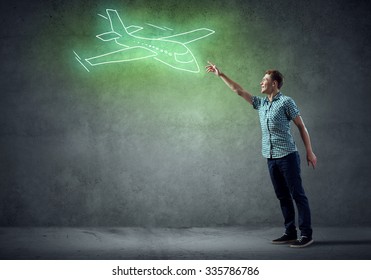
<point>167,149</point>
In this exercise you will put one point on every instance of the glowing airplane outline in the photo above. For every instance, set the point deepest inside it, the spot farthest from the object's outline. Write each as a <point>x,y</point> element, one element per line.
<point>171,50</point>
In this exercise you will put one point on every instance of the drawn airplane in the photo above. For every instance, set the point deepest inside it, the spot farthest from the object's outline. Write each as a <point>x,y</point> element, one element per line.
<point>171,50</point>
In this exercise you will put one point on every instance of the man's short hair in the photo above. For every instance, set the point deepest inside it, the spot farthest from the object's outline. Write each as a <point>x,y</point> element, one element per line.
<point>276,76</point>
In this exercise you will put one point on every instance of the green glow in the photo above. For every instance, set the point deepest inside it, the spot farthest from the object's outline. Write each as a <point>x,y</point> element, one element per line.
<point>171,50</point>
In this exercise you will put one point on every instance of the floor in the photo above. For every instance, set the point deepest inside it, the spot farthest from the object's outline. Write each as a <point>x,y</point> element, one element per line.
<point>232,243</point>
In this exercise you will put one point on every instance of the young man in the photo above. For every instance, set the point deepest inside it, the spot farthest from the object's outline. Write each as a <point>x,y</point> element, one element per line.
<point>275,112</point>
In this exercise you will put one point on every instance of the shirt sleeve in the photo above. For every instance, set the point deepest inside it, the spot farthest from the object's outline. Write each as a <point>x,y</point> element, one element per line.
<point>291,109</point>
<point>256,102</point>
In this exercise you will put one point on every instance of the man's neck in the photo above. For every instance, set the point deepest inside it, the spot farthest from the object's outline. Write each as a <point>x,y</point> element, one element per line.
<point>272,95</point>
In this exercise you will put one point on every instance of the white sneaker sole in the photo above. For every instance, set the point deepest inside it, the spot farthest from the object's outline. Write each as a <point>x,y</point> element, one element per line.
<point>302,246</point>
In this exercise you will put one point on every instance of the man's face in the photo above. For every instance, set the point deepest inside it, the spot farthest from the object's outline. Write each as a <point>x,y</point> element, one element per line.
<point>266,85</point>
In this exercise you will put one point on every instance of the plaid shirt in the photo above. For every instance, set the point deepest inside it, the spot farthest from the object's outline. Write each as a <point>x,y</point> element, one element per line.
<point>275,118</point>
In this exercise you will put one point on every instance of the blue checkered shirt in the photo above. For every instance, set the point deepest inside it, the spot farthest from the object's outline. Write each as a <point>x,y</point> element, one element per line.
<point>275,118</point>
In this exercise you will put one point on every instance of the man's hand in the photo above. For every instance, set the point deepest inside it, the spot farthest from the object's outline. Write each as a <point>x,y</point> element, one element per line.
<point>212,68</point>
<point>312,159</point>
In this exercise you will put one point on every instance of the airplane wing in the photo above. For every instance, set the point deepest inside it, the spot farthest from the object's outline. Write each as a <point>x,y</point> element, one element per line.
<point>111,35</point>
<point>108,36</point>
<point>190,36</point>
<point>123,55</point>
<point>132,29</point>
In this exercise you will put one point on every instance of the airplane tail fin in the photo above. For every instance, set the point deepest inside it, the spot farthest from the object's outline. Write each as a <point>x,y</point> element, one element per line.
<point>116,23</point>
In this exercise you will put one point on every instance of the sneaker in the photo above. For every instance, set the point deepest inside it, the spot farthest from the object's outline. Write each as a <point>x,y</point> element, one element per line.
<point>302,242</point>
<point>284,239</point>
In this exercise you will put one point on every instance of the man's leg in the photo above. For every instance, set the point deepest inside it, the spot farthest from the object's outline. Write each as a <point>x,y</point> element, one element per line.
<point>283,194</point>
<point>291,170</point>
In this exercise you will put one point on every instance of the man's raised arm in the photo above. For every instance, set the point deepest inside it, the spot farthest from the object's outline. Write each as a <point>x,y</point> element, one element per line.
<point>229,82</point>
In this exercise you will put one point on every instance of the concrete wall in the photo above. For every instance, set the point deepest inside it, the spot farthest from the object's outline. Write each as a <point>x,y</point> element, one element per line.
<point>140,144</point>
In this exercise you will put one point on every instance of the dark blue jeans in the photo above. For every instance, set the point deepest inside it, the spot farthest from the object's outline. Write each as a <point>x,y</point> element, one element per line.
<point>286,179</point>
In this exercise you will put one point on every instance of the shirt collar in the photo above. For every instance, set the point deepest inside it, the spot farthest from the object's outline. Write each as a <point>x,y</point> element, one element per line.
<point>277,96</point>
